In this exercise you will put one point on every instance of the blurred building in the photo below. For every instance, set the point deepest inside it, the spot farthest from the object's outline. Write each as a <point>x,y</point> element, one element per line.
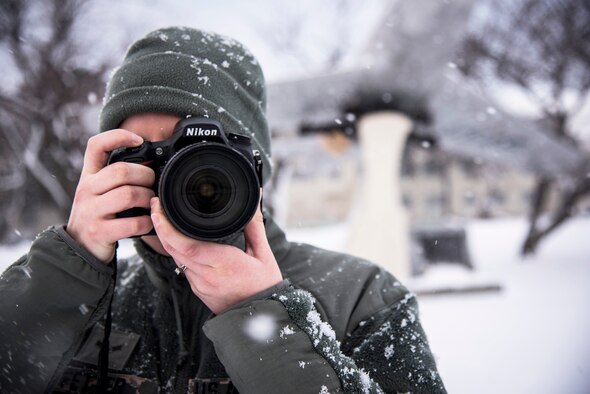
<point>486,161</point>
<point>440,184</point>
<point>318,180</point>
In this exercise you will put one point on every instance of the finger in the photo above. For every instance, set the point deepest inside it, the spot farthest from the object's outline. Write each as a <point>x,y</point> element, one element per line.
<point>130,227</point>
<point>123,198</point>
<point>121,173</point>
<point>173,241</point>
<point>176,243</point>
<point>255,234</point>
<point>100,145</point>
<point>121,228</point>
<point>195,272</point>
<point>197,279</point>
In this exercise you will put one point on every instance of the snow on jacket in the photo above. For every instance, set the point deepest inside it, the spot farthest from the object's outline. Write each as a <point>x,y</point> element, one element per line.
<point>337,324</point>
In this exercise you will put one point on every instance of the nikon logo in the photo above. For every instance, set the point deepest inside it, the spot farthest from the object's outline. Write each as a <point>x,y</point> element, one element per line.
<point>199,132</point>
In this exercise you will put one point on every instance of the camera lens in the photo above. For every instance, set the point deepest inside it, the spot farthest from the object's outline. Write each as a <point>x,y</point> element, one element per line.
<point>209,191</point>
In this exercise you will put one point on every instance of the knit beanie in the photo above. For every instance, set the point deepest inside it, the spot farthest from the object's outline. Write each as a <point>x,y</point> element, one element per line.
<point>189,72</point>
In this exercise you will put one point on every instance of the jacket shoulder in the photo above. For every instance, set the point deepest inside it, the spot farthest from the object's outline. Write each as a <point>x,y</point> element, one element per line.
<point>348,289</point>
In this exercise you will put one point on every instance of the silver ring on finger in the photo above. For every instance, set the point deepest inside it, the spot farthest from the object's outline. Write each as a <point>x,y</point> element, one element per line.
<point>180,270</point>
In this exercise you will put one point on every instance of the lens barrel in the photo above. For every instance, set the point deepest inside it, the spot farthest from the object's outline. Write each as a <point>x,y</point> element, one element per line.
<point>209,191</point>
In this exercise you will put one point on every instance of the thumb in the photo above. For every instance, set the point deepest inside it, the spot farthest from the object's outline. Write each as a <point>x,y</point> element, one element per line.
<point>255,234</point>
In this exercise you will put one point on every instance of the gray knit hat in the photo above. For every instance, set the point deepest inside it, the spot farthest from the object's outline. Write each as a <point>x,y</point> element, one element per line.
<point>189,72</point>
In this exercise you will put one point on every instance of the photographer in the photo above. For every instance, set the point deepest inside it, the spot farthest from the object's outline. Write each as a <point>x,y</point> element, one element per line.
<point>248,312</point>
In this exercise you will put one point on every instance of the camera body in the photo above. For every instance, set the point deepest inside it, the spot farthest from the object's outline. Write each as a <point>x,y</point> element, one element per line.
<point>208,182</point>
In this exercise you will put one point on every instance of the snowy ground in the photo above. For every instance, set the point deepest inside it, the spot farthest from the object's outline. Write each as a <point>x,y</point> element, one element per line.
<point>532,336</point>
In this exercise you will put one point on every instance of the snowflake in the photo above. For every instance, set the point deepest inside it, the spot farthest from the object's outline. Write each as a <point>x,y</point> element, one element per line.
<point>286,331</point>
<point>389,352</point>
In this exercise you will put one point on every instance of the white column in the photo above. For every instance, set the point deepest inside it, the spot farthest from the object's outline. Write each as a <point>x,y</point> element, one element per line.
<point>380,228</point>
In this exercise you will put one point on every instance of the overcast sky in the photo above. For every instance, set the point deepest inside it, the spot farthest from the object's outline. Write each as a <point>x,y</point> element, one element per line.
<point>289,38</point>
<point>264,26</point>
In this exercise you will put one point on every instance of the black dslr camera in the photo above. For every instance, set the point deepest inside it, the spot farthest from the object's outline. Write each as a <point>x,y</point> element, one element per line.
<point>208,183</point>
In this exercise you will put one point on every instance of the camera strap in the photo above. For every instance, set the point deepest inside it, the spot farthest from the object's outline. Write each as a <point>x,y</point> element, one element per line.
<point>103,356</point>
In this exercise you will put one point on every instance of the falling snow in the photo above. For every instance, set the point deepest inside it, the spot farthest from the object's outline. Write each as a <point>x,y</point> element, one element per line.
<point>285,331</point>
<point>83,309</point>
<point>389,352</point>
<point>261,327</point>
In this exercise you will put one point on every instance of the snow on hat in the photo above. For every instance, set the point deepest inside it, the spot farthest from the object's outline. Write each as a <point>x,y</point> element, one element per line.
<point>189,72</point>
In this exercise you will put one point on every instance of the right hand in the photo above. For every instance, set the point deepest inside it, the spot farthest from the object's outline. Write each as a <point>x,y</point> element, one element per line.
<point>103,191</point>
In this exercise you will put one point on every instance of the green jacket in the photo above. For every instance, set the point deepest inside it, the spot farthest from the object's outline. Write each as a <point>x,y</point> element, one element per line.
<point>337,324</point>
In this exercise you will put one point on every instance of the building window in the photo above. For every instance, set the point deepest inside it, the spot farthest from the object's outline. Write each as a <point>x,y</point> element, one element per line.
<point>407,201</point>
<point>408,164</point>
<point>436,203</point>
<point>497,197</point>
<point>469,198</point>
<point>470,168</point>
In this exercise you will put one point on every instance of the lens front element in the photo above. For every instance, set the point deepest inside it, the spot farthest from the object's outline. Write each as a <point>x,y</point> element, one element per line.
<point>209,191</point>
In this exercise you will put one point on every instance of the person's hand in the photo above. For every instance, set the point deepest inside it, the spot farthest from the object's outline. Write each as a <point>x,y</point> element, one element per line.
<point>221,275</point>
<point>104,191</point>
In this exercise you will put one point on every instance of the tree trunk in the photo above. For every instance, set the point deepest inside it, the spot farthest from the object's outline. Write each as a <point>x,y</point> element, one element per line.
<point>539,200</point>
<point>563,212</point>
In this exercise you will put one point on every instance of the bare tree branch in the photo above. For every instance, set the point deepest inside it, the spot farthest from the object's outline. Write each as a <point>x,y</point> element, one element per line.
<point>41,116</point>
<point>542,47</point>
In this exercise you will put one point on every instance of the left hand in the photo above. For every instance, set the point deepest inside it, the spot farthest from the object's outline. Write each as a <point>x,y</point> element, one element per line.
<point>221,275</point>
